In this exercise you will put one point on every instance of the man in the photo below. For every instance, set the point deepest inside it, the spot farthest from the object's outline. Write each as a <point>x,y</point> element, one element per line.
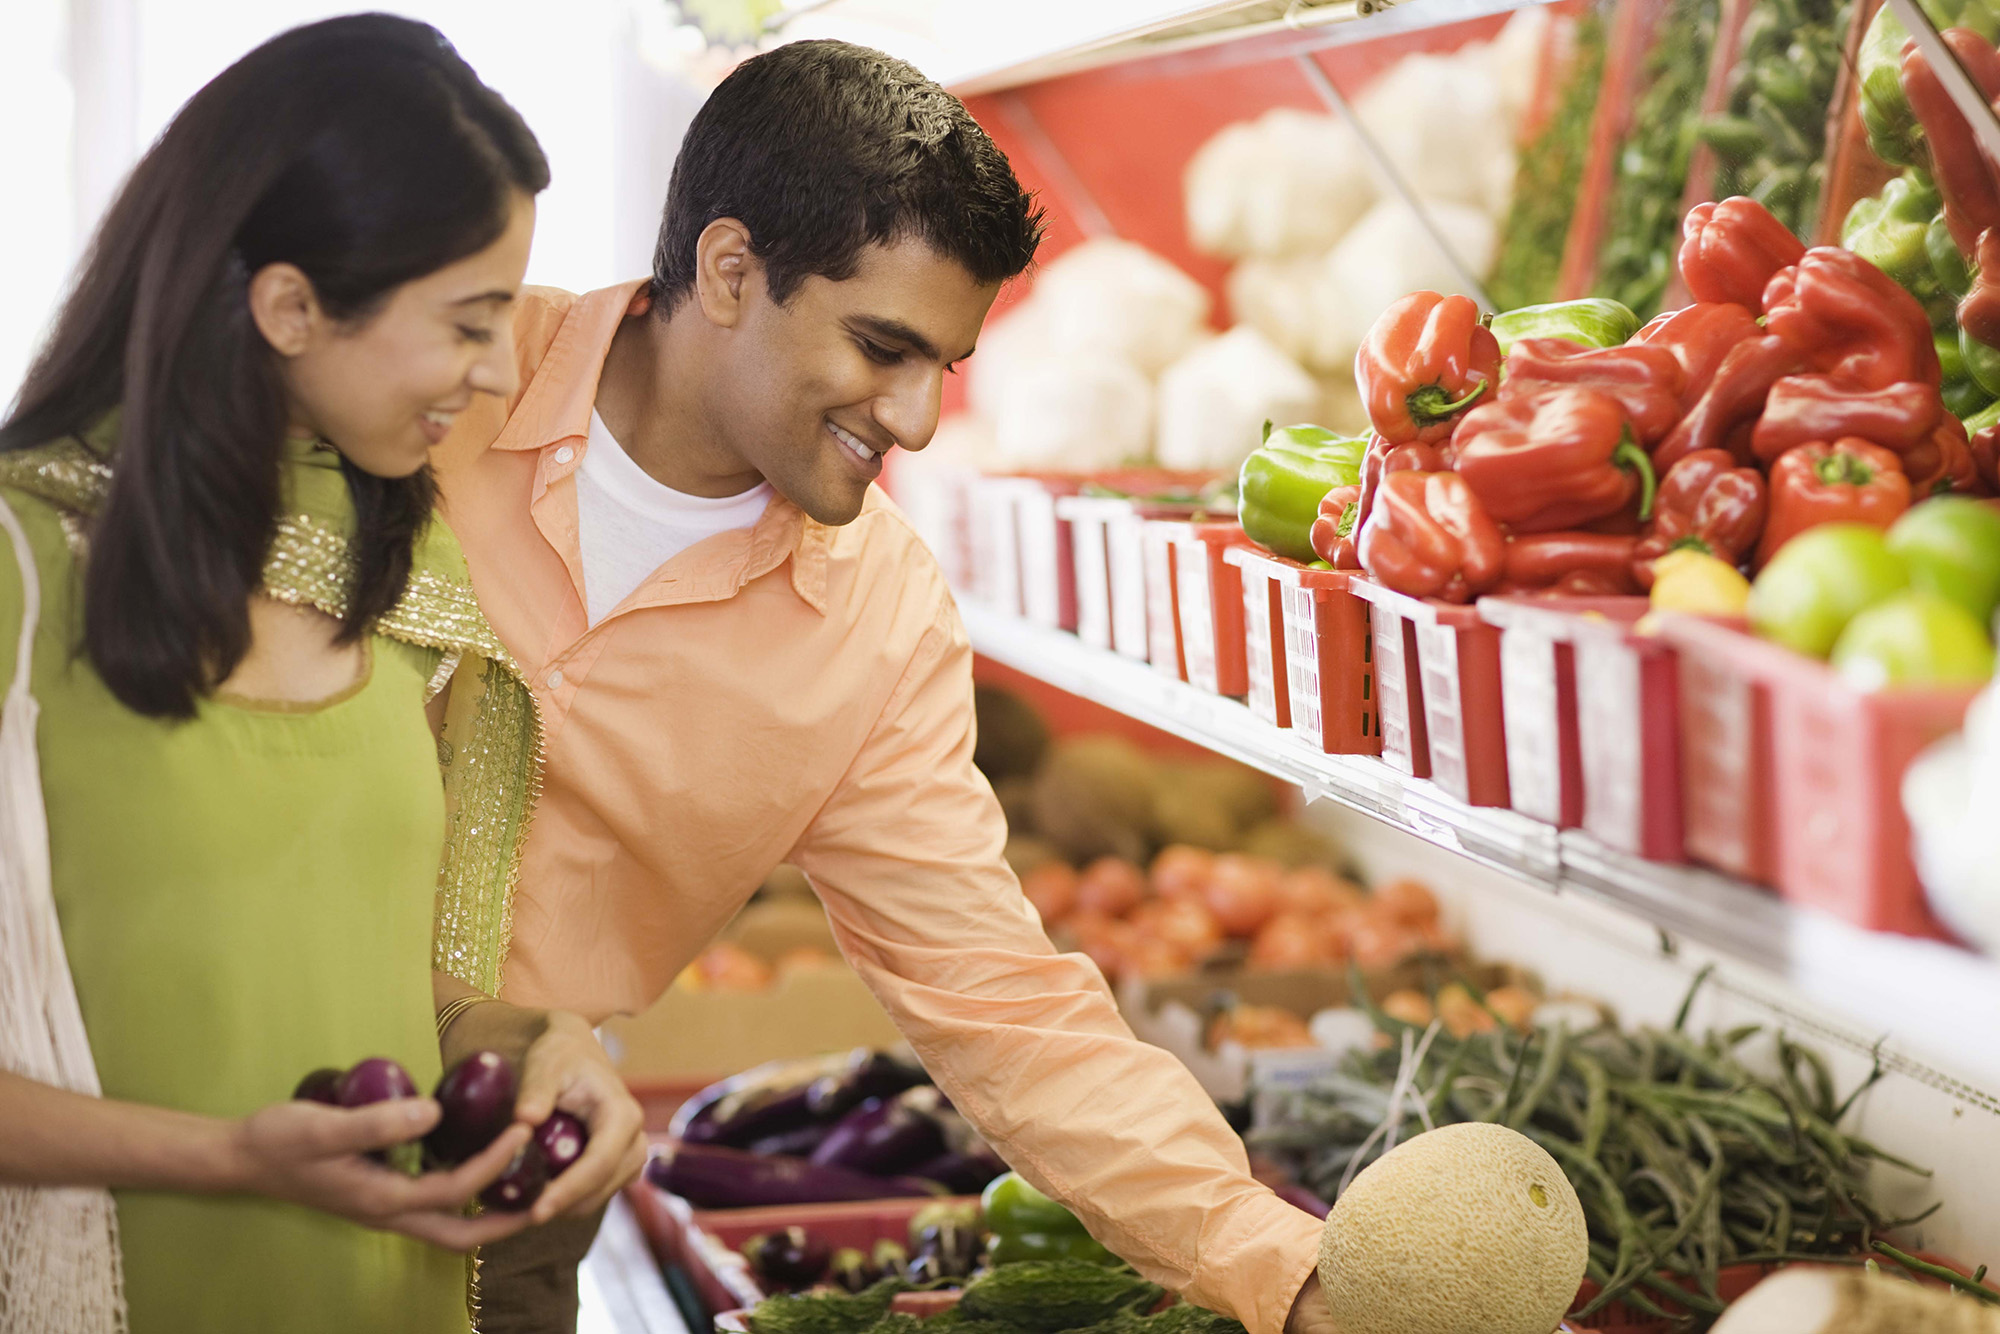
<point>745,656</point>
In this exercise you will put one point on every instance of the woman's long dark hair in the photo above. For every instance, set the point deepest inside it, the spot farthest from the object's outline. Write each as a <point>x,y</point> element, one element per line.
<point>365,151</point>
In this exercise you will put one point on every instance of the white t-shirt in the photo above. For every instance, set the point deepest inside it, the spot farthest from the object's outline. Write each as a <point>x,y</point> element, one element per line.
<point>629,525</point>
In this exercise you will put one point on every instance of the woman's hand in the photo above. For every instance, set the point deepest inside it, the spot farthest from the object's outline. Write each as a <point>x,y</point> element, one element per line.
<point>307,1153</point>
<point>568,1068</point>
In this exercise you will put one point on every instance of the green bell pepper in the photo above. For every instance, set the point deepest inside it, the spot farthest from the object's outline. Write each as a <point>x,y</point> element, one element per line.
<point>1963,395</point>
<point>1283,483</point>
<point>1027,1225</point>
<point>1591,322</point>
<point>1892,127</point>
<point>1891,231</point>
<point>1948,266</point>
<point>1951,545</point>
<point>1982,363</point>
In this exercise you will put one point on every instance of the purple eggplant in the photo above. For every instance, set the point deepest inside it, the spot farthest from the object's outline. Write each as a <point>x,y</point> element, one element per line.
<point>377,1079</point>
<point>709,1117</point>
<point>322,1085</point>
<point>562,1138</point>
<point>883,1137</point>
<point>798,1143</point>
<point>790,1258</point>
<point>869,1074</point>
<point>517,1188</point>
<point>962,1173</point>
<point>476,1102</point>
<point>710,1176</point>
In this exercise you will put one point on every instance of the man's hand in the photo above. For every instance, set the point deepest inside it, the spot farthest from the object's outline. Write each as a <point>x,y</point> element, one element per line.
<point>1309,1313</point>
<point>561,1065</point>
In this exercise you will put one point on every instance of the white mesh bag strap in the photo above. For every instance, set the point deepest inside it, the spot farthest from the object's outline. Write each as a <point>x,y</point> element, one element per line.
<point>59,1263</point>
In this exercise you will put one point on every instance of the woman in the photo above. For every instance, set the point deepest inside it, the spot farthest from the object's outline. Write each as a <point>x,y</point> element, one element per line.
<point>217,468</point>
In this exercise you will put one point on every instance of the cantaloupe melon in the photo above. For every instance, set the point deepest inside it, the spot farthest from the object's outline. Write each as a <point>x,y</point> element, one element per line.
<point>1847,1301</point>
<point>1467,1229</point>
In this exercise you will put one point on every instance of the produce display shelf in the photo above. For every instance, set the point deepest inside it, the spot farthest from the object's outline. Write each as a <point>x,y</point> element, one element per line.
<point>1142,30</point>
<point>1863,986</point>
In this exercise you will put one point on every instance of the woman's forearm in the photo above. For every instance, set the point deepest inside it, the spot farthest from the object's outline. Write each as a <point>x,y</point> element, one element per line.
<point>491,1025</point>
<point>53,1137</point>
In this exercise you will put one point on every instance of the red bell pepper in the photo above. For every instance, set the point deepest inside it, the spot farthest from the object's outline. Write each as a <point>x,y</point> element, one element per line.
<point>1700,336</point>
<point>1426,359</point>
<point>1333,532</point>
<point>1848,481</point>
<point>1944,463</point>
<point>1733,399</point>
<point>1558,460</point>
<point>1428,536</point>
<point>1979,310</point>
<point>1730,250</point>
<point>1964,177</point>
<point>1852,320</point>
<point>1804,408</point>
<point>1382,458</point>
<point>1573,564</point>
<point>1706,504</point>
<point>1644,380</point>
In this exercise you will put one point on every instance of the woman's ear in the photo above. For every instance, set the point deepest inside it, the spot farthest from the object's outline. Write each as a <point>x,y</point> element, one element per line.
<point>285,307</point>
<point>722,264</point>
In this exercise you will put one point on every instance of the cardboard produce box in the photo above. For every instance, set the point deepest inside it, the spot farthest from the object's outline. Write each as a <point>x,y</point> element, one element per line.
<point>701,1035</point>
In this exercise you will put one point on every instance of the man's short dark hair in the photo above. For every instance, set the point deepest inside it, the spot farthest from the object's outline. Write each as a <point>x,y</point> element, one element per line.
<point>823,149</point>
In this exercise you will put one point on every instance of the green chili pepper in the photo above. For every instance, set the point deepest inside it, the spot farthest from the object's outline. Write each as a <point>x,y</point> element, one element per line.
<point>1982,363</point>
<point>1948,266</point>
<point>1984,419</point>
<point>1891,232</point>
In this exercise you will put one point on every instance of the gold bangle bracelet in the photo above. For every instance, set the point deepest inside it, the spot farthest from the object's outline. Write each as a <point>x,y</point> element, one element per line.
<point>453,1009</point>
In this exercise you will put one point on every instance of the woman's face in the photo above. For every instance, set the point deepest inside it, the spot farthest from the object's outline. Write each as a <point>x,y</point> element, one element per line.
<point>384,390</point>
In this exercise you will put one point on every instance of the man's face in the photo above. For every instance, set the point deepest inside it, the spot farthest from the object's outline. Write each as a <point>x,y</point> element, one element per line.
<point>820,388</point>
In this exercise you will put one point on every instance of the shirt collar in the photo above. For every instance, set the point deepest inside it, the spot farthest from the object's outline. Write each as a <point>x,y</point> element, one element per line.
<point>562,393</point>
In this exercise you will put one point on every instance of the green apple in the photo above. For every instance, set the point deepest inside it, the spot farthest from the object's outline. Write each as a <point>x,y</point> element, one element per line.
<point>1819,581</point>
<point>1914,638</point>
<point>1952,547</point>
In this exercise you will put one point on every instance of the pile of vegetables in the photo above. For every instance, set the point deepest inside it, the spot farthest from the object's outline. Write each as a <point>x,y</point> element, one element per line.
<point>1545,189</point>
<point>1770,139</point>
<point>475,1104</point>
<point>1802,388</point>
<point>1035,1297</point>
<point>1686,1158</point>
<point>859,1126</point>
<point>1194,907</point>
<point>1636,258</point>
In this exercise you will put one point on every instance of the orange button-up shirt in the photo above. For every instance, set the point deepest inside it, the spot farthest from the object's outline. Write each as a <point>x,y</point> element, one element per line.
<point>802,693</point>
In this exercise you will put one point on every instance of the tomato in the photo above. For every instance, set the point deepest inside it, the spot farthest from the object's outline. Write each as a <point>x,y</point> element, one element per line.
<point>1412,1007</point>
<point>1315,890</point>
<point>1291,940</point>
<point>1111,886</point>
<point>1104,939</point>
<point>1051,887</point>
<point>1151,957</point>
<point>1914,639</point>
<point>1952,547</point>
<point>1378,943</point>
<point>1183,923</point>
<point>1821,580</point>
<point>1243,892</point>
<point>1408,902</point>
<point>1181,871</point>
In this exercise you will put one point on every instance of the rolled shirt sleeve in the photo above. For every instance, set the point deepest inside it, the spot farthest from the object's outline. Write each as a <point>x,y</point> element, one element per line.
<point>1028,1043</point>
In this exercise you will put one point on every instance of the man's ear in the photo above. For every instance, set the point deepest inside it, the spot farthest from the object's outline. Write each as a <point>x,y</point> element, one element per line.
<point>284,307</point>
<point>722,265</point>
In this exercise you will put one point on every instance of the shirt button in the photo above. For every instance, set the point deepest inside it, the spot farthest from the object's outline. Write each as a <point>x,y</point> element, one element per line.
<point>565,454</point>
<point>556,679</point>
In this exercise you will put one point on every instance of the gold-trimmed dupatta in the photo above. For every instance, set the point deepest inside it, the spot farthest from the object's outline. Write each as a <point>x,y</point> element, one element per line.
<point>490,751</point>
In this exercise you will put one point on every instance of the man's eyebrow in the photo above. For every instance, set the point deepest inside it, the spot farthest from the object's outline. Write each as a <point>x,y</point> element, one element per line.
<point>497,296</point>
<point>896,331</point>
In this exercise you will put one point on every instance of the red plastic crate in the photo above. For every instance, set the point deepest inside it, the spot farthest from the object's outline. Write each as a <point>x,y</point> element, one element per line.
<point>995,575</point>
<point>1208,602</point>
<point>1836,757</point>
<point>1323,657</point>
<point>1106,553</point>
<point>1728,770</point>
<point>1454,687</point>
<point>1163,617</point>
<point>1269,685</point>
<point>1593,720</point>
<point>1089,518</point>
<point>1048,563</point>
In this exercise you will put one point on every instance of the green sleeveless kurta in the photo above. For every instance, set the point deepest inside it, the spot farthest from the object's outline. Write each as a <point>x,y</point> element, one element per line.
<point>245,897</point>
